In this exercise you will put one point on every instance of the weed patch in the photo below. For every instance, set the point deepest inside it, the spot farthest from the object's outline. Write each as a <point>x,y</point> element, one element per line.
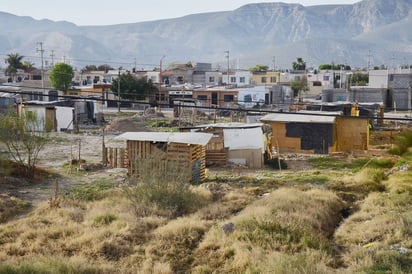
<point>95,190</point>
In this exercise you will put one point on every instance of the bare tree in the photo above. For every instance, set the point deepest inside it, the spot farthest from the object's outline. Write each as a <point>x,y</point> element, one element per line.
<point>24,137</point>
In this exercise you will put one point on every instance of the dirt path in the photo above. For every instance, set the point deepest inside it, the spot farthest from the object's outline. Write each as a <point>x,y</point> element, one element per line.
<point>54,159</point>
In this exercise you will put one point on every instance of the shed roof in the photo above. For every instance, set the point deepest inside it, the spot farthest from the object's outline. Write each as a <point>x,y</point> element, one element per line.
<point>298,118</point>
<point>192,138</point>
<point>230,125</point>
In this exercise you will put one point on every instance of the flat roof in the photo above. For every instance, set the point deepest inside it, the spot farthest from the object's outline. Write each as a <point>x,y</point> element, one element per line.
<point>193,138</point>
<point>298,118</point>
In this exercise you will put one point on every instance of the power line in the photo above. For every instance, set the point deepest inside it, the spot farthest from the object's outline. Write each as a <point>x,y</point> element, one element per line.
<point>264,111</point>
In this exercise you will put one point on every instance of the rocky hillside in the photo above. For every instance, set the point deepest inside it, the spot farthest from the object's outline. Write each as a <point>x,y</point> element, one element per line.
<point>254,33</point>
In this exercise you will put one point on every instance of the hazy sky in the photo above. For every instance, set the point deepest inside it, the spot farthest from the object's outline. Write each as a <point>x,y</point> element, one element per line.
<point>105,12</point>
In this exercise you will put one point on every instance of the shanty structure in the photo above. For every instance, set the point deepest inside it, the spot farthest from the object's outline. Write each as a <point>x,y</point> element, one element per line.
<point>235,143</point>
<point>317,133</point>
<point>187,150</point>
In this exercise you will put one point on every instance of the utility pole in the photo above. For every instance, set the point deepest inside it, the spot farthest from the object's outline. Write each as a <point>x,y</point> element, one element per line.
<point>118,93</point>
<point>274,63</point>
<point>160,82</point>
<point>52,57</point>
<point>42,65</point>
<point>228,66</point>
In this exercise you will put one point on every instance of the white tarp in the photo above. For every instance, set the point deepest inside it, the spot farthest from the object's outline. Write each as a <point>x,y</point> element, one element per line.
<point>64,117</point>
<point>244,138</point>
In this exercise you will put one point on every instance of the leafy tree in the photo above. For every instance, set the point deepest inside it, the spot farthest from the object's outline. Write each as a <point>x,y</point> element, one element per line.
<point>14,61</point>
<point>334,67</point>
<point>358,79</point>
<point>298,86</point>
<point>133,88</point>
<point>259,68</point>
<point>104,67</point>
<point>24,137</point>
<point>299,64</point>
<point>61,76</point>
<point>27,65</point>
<point>89,68</point>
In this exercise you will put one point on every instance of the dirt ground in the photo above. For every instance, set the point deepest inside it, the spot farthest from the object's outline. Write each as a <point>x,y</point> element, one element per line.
<point>87,145</point>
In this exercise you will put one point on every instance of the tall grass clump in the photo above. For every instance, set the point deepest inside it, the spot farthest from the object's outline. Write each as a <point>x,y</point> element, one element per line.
<point>360,184</point>
<point>162,187</point>
<point>403,141</point>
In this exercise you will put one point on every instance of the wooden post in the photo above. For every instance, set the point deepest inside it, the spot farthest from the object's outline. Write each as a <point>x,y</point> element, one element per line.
<point>104,161</point>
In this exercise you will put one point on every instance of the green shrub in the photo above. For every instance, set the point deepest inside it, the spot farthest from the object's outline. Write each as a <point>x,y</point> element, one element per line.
<point>91,191</point>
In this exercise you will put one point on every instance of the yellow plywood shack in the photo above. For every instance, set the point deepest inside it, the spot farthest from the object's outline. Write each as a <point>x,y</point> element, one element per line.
<point>285,144</point>
<point>353,133</point>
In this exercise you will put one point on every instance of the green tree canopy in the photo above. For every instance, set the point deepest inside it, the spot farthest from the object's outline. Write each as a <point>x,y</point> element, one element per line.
<point>259,67</point>
<point>358,79</point>
<point>334,67</point>
<point>298,86</point>
<point>133,88</point>
<point>299,64</point>
<point>14,61</point>
<point>61,76</point>
<point>103,67</point>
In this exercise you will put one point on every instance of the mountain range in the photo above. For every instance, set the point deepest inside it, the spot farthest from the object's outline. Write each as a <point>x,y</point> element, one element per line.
<point>367,33</point>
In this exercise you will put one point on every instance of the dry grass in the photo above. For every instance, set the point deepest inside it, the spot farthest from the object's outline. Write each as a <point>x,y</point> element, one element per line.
<point>11,206</point>
<point>289,222</point>
<point>378,237</point>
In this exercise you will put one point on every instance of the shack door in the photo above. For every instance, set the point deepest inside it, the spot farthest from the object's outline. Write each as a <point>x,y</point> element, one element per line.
<point>214,98</point>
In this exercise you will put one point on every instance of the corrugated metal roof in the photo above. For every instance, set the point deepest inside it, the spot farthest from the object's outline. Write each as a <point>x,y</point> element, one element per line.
<point>230,125</point>
<point>193,138</point>
<point>297,118</point>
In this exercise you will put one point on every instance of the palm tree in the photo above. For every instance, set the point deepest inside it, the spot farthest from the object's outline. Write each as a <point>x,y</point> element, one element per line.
<point>15,62</point>
<point>299,64</point>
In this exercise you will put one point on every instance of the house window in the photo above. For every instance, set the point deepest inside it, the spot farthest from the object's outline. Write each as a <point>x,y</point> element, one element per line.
<point>228,98</point>
<point>317,83</point>
<point>325,78</point>
<point>233,79</point>
<point>53,95</point>
<point>36,95</point>
<point>202,97</point>
<point>180,79</point>
<point>264,79</point>
<point>242,80</point>
<point>273,79</point>
<point>211,79</point>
